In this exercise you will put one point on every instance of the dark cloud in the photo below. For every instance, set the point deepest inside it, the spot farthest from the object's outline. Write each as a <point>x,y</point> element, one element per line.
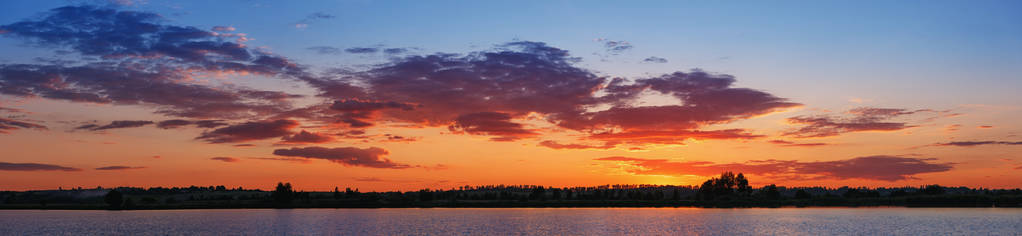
<point>395,50</point>
<point>349,156</point>
<point>325,50</point>
<point>857,120</point>
<point>172,124</point>
<point>117,124</point>
<point>249,131</point>
<point>398,138</point>
<point>654,60</point>
<point>7,166</point>
<point>522,78</point>
<point>615,47</point>
<point>360,113</point>
<point>131,57</point>
<point>883,168</point>
<point>977,143</point>
<point>784,143</point>
<point>8,124</point>
<point>306,137</point>
<point>120,168</point>
<point>556,145</point>
<point>707,99</point>
<point>492,124</point>
<point>225,159</point>
<point>362,50</point>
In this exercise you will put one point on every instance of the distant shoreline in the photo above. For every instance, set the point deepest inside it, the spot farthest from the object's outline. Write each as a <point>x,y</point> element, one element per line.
<point>484,205</point>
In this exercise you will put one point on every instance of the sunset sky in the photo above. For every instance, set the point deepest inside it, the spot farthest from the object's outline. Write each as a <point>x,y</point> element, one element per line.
<point>437,94</point>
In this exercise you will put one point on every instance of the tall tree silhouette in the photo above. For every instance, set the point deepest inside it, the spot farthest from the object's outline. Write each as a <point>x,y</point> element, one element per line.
<point>283,194</point>
<point>727,184</point>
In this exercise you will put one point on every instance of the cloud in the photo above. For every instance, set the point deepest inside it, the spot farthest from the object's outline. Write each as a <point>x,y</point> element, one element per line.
<point>556,145</point>
<point>136,58</point>
<point>327,50</point>
<point>361,113</point>
<point>615,47</point>
<point>706,99</point>
<point>306,137</point>
<point>7,166</point>
<point>312,18</point>
<point>133,58</point>
<point>857,120</point>
<point>395,50</point>
<point>882,168</point>
<point>173,124</point>
<point>120,168</point>
<point>977,143</point>
<point>362,50</point>
<point>372,157</point>
<point>225,159</point>
<point>784,143</point>
<point>117,124</point>
<point>398,138</point>
<point>249,131</point>
<point>8,124</point>
<point>522,78</point>
<point>222,28</point>
<point>985,126</point>
<point>493,124</point>
<point>654,60</point>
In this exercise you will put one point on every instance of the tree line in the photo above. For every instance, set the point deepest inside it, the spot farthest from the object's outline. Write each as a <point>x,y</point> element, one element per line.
<point>727,190</point>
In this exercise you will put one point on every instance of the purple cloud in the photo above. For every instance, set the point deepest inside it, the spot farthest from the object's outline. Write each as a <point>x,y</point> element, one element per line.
<point>349,156</point>
<point>225,159</point>
<point>7,166</point>
<point>249,131</point>
<point>493,124</point>
<point>117,124</point>
<point>858,120</point>
<point>8,124</point>
<point>120,168</point>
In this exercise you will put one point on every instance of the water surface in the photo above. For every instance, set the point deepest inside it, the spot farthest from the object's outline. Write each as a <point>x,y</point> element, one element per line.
<point>519,221</point>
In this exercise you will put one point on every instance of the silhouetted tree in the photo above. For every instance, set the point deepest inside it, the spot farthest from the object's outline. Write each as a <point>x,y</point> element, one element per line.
<point>728,184</point>
<point>425,195</point>
<point>283,194</point>
<point>933,190</point>
<point>771,192</point>
<point>538,193</point>
<point>802,194</point>
<point>114,199</point>
<point>337,193</point>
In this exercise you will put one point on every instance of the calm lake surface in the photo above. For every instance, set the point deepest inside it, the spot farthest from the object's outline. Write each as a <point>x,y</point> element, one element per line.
<point>538,221</point>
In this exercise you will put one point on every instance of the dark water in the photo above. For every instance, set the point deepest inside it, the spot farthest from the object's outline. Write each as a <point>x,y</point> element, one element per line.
<point>549,221</point>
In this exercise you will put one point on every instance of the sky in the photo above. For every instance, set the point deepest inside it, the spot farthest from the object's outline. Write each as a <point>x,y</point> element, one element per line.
<point>405,95</point>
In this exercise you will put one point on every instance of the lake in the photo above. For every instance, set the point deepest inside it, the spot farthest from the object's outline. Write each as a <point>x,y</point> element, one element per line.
<point>519,221</point>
